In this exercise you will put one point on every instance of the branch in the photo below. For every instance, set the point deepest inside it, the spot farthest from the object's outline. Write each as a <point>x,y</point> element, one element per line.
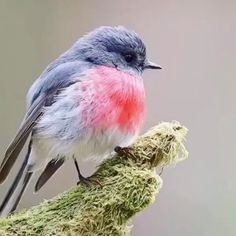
<point>129,185</point>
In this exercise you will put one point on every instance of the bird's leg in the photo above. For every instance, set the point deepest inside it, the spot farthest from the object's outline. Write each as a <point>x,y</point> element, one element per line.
<point>84,180</point>
<point>126,151</point>
<point>78,170</point>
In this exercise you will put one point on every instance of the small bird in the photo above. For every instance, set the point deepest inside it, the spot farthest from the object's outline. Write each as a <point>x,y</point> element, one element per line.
<point>88,101</point>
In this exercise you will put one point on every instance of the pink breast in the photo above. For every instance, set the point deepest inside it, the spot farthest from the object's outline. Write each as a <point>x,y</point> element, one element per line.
<point>131,109</point>
<point>120,99</point>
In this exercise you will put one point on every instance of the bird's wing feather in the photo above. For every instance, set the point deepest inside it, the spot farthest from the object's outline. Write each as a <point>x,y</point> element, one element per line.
<point>47,173</point>
<point>18,142</point>
<point>48,85</point>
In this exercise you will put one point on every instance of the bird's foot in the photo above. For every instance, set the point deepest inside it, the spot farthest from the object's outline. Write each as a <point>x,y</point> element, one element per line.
<point>126,151</point>
<point>89,181</point>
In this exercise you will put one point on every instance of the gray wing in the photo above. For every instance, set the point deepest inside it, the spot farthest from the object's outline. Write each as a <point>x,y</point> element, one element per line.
<point>18,142</point>
<point>41,94</point>
<point>49,170</point>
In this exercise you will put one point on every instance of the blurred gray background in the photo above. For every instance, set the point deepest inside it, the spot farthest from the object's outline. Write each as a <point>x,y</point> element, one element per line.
<point>195,42</point>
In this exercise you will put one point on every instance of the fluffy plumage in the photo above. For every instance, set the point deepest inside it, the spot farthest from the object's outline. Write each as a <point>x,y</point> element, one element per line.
<point>88,101</point>
<point>90,117</point>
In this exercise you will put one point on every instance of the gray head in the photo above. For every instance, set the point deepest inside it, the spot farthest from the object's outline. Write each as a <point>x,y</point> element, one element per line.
<point>115,47</point>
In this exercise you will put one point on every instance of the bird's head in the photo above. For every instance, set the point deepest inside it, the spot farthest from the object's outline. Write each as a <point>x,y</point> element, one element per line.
<point>115,47</point>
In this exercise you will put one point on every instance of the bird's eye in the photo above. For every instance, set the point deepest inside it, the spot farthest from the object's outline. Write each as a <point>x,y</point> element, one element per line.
<point>129,57</point>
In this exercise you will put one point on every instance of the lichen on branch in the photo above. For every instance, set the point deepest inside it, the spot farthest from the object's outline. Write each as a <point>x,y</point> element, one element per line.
<point>129,185</point>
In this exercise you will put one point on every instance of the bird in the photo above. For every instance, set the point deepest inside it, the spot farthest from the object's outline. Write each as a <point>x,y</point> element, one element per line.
<point>87,102</point>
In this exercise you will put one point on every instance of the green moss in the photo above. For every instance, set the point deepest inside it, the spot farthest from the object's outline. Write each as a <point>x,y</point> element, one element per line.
<point>129,185</point>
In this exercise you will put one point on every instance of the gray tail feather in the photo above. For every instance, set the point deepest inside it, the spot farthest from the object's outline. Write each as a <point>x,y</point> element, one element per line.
<point>17,188</point>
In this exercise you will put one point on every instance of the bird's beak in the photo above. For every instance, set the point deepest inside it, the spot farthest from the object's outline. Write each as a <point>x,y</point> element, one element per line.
<point>150,65</point>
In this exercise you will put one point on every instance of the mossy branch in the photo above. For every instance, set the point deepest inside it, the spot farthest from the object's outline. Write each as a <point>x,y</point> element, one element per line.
<point>129,186</point>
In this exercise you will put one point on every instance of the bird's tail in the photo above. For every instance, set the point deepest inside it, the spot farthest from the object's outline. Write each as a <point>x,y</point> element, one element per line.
<point>17,188</point>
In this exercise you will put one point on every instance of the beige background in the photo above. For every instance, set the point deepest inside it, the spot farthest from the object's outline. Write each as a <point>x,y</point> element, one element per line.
<point>195,42</point>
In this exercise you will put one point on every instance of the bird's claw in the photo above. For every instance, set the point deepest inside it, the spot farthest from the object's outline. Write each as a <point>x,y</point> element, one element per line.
<point>126,151</point>
<point>89,181</point>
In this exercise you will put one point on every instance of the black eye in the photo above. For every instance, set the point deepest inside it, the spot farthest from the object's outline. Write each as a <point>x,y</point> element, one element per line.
<point>129,57</point>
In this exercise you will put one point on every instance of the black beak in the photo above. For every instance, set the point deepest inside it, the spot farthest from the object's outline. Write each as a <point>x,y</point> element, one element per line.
<point>150,65</point>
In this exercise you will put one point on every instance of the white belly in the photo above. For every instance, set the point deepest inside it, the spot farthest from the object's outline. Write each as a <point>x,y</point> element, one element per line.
<point>96,146</point>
